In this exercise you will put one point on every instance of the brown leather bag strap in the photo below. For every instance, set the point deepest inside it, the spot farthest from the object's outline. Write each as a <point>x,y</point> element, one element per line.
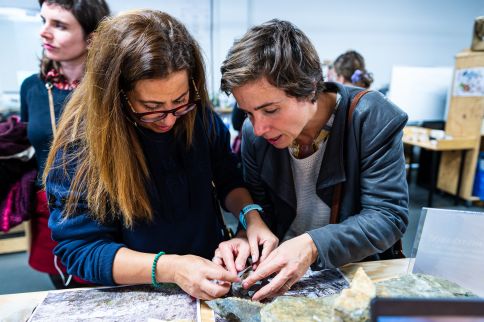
<point>354,102</point>
<point>334,217</point>
<point>336,202</point>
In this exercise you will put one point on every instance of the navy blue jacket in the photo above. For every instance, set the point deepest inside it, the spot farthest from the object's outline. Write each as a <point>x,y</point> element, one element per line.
<point>186,218</point>
<point>34,109</point>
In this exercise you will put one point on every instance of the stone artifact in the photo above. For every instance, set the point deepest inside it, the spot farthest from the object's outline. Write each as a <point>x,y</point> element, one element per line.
<point>350,305</point>
<point>238,291</point>
<point>353,303</point>
<point>286,308</point>
<point>420,285</point>
<point>237,309</point>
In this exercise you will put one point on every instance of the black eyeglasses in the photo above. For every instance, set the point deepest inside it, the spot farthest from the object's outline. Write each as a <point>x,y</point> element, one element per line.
<point>155,116</point>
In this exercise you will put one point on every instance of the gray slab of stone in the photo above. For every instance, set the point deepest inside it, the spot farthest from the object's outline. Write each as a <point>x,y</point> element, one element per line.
<point>287,308</point>
<point>235,309</point>
<point>421,285</point>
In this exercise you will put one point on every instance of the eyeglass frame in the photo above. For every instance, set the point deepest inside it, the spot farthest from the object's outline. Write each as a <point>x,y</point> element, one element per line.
<point>164,114</point>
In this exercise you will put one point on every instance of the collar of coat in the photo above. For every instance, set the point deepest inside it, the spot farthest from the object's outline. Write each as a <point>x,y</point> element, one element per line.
<point>277,161</point>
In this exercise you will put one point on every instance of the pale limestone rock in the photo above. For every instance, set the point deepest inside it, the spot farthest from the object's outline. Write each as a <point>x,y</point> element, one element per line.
<point>352,304</point>
<point>287,308</point>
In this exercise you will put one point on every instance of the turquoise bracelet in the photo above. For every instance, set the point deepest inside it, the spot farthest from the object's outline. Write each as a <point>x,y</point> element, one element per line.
<point>153,270</point>
<point>244,212</point>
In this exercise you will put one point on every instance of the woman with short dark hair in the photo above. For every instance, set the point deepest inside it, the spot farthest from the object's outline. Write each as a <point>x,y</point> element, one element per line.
<point>325,161</point>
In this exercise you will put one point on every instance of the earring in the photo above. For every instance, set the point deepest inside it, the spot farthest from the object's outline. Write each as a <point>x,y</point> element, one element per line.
<point>197,95</point>
<point>130,106</point>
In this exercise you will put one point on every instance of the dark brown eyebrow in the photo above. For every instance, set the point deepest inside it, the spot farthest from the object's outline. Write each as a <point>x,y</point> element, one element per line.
<point>56,21</point>
<point>262,106</point>
<point>162,103</point>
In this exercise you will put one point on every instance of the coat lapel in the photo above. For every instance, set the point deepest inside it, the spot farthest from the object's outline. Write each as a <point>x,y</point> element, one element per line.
<point>332,167</point>
<point>277,173</point>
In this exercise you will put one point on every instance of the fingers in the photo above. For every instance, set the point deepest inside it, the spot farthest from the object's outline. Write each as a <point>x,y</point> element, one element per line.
<point>264,270</point>
<point>225,253</point>
<point>219,274</point>
<point>243,254</point>
<point>210,290</point>
<point>218,260</point>
<point>269,246</point>
<point>278,286</point>
<point>254,249</point>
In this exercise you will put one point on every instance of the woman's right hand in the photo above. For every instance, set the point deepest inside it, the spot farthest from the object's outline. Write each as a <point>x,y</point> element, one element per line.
<point>199,277</point>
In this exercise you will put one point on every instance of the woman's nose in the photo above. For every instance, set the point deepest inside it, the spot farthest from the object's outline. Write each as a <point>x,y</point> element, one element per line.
<point>260,126</point>
<point>45,31</point>
<point>169,120</point>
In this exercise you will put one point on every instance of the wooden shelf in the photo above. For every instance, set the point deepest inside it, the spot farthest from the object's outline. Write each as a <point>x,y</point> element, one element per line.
<point>16,240</point>
<point>464,120</point>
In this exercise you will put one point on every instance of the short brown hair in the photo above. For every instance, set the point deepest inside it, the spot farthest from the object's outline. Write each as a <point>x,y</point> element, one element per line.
<point>279,51</point>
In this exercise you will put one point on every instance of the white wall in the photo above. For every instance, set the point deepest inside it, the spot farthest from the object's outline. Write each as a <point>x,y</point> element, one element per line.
<point>406,32</point>
<point>411,32</point>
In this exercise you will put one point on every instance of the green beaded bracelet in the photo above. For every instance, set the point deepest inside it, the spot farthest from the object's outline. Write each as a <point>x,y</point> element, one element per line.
<point>153,270</point>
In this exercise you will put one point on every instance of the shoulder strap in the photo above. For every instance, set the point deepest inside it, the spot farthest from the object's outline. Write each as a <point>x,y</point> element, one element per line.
<point>336,202</point>
<point>49,85</point>
<point>355,102</point>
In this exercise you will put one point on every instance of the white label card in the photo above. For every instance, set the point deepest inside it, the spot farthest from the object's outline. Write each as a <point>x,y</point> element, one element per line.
<point>451,246</point>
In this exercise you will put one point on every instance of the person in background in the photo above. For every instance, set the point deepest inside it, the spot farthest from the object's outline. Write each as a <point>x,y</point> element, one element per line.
<point>66,31</point>
<point>349,69</point>
<point>324,160</point>
<point>140,158</point>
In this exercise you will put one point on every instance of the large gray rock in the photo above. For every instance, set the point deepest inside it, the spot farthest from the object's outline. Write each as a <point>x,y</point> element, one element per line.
<point>351,306</point>
<point>235,309</point>
<point>420,285</point>
<point>287,308</point>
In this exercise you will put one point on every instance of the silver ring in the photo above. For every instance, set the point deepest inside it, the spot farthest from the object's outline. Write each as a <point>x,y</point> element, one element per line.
<point>215,257</point>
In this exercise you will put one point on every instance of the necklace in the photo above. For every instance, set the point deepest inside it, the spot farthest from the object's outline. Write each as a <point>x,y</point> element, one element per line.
<point>301,151</point>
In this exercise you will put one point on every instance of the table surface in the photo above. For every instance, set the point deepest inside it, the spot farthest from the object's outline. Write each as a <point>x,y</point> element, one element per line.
<point>19,306</point>
<point>419,136</point>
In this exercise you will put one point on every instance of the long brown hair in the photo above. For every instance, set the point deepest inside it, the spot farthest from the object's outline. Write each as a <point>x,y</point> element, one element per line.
<point>95,133</point>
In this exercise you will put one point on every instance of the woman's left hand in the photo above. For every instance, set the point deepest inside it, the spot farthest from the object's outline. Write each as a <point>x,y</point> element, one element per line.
<point>290,261</point>
<point>258,234</point>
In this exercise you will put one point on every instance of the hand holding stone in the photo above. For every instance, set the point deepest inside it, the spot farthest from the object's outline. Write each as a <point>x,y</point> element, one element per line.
<point>289,262</point>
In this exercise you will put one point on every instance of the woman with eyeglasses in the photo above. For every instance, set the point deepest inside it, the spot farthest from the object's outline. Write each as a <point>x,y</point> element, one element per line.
<point>140,162</point>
